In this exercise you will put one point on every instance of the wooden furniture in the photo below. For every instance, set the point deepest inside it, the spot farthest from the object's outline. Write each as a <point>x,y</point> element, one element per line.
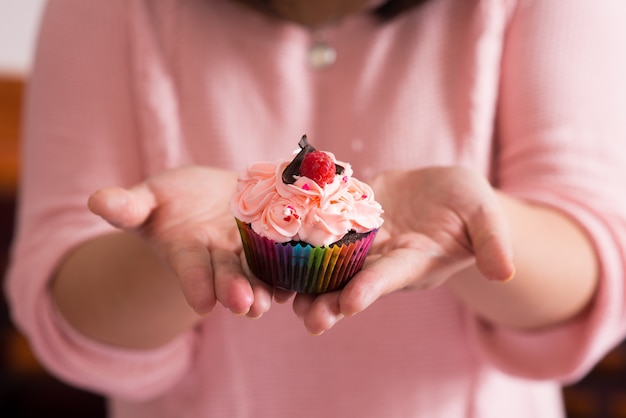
<point>11,93</point>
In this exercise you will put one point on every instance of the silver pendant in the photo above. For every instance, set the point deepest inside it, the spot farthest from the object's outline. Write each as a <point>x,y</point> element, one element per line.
<point>321,55</point>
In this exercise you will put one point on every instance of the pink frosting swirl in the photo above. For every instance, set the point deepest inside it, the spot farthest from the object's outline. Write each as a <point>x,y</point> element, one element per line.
<point>304,210</point>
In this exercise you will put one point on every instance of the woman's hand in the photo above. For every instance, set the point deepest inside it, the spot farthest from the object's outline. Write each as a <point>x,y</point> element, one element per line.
<point>438,221</point>
<point>184,215</point>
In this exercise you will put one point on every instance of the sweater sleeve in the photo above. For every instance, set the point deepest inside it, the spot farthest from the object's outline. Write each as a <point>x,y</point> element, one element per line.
<point>80,134</point>
<point>561,142</point>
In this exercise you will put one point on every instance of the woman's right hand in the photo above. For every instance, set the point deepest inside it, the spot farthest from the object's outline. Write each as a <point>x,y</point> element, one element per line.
<point>184,215</point>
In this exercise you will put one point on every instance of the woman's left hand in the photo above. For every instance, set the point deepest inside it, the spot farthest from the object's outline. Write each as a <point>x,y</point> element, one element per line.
<point>438,221</point>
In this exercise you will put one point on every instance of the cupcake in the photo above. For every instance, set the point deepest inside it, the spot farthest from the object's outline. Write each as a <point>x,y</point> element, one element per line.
<point>306,224</point>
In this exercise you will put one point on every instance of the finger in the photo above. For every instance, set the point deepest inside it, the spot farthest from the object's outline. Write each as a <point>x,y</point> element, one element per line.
<point>301,304</point>
<point>282,295</point>
<point>493,260</point>
<point>489,235</point>
<point>394,271</point>
<point>319,313</point>
<point>262,298</point>
<point>123,208</point>
<point>279,295</point>
<point>232,287</point>
<point>191,262</point>
<point>262,291</point>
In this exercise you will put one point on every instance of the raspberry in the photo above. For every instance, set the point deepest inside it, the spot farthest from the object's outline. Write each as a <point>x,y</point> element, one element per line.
<point>319,167</point>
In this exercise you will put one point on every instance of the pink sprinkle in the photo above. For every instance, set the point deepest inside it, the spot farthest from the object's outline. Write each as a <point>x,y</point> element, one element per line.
<point>290,212</point>
<point>306,186</point>
<point>345,179</point>
<point>363,196</point>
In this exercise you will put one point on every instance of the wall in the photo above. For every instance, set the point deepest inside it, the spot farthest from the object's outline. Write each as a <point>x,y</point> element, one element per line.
<point>19,20</point>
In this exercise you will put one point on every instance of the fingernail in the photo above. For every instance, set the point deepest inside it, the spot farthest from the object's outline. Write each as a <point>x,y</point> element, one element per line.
<point>244,313</point>
<point>338,318</point>
<point>508,278</point>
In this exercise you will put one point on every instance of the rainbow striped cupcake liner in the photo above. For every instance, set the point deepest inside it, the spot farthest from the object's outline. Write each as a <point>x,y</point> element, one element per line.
<point>301,267</point>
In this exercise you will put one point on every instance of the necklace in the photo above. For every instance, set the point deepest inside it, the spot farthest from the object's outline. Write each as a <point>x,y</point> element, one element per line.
<point>321,54</point>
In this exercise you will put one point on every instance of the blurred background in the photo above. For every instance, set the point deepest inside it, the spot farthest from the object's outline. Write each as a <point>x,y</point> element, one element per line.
<point>26,389</point>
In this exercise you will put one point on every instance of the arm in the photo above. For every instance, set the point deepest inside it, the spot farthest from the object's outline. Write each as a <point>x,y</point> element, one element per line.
<point>80,134</point>
<point>556,271</point>
<point>177,258</point>
<point>115,289</point>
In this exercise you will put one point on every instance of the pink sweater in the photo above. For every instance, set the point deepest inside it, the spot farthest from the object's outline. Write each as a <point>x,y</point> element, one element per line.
<point>530,92</point>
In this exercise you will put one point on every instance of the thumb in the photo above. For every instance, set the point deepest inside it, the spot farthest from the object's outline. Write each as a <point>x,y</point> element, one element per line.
<point>489,234</point>
<point>123,208</point>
